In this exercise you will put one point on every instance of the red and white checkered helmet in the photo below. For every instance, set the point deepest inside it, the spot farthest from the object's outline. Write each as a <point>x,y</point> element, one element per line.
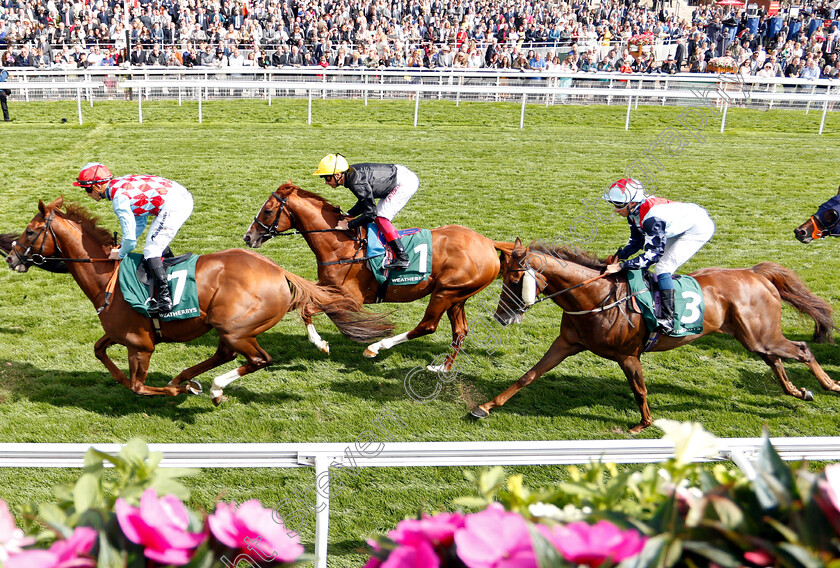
<point>625,191</point>
<point>92,173</point>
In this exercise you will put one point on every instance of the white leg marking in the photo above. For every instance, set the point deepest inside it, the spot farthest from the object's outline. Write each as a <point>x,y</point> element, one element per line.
<point>222,381</point>
<point>386,343</point>
<point>316,339</point>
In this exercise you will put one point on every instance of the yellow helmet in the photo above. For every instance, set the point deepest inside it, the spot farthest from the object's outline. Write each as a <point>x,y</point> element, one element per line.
<point>332,164</point>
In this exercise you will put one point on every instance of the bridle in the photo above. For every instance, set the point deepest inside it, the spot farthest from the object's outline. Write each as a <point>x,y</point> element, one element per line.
<point>38,258</point>
<point>271,230</point>
<point>821,230</point>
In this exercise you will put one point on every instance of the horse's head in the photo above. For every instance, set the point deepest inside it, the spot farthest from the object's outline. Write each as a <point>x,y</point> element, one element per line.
<point>519,286</point>
<point>273,218</point>
<point>37,240</point>
<point>824,223</point>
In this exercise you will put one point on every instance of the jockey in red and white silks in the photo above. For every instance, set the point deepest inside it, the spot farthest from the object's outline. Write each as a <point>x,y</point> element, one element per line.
<point>670,232</point>
<point>137,197</point>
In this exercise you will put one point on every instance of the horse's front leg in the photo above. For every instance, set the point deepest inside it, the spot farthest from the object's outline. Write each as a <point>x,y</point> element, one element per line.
<point>632,368</point>
<point>100,349</point>
<point>138,364</point>
<point>458,318</point>
<point>561,348</point>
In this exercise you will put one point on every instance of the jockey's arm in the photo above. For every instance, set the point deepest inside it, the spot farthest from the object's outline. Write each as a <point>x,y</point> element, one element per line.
<point>654,245</point>
<point>130,226</point>
<point>634,244</point>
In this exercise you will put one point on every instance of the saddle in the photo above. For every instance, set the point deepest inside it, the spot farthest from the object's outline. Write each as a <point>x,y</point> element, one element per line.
<point>688,303</point>
<point>136,283</point>
<point>145,278</point>
<point>418,246</point>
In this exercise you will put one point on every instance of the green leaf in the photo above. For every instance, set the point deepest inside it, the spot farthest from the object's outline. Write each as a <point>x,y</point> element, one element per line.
<point>651,556</point>
<point>800,556</point>
<point>491,480</point>
<point>716,555</point>
<point>52,515</point>
<point>774,483</point>
<point>109,557</point>
<point>470,502</point>
<point>730,515</point>
<point>86,492</point>
<point>546,554</point>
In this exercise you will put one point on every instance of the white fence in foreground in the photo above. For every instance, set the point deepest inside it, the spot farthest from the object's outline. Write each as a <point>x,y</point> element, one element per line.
<point>323,456</point>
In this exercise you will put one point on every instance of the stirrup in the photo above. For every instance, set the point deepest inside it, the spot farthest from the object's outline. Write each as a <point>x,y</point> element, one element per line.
<point>398,264</point>
<point>665,326</point>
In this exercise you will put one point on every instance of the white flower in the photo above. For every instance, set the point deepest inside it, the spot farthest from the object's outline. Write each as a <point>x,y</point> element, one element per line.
<point>690,440</point>
<point>567,514</point>
<point>11,537</point>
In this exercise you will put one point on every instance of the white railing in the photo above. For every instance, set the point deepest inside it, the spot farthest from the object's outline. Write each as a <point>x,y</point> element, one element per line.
<point>324,456</point>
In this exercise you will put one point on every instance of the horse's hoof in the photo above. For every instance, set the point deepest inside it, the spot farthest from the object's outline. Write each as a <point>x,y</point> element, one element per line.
<point>479,412</point>
<point>808,395</point>
<point>194,387</point>
<point>325,348</point>
<point>437,369</point>
<point>370,354</point>
<point>217,400</point>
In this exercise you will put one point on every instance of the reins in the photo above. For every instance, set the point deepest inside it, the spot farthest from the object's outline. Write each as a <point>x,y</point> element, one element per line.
<point>271,230</point>
<point>38,259</point>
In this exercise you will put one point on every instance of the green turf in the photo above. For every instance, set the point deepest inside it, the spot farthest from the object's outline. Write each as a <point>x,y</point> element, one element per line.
<point>765,175</point>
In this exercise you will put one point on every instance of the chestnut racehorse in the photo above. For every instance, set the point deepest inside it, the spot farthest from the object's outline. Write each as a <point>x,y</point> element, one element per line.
<point>824,223</point>
<point>463,263</point>
<point>745,303</point>
<point>240,293</point>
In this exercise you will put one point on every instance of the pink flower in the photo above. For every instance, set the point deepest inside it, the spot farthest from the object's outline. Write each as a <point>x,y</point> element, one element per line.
<point>760,558</point>
<point>160,526</point>
<point>62,554</point>
<point>494,538</point>
<point>252,529</point>
<point>11,537</point>
<point>438,530</point>
<point>582,543</point>
<point>831,485</point>
<point>420,556</point>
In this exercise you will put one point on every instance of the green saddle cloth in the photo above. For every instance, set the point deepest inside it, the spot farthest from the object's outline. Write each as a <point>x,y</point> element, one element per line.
<point>688,303</point>
<point>418,246</point>
<point>181,286</point>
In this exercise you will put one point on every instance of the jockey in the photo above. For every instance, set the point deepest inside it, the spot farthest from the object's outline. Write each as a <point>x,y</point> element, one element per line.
<point>669,231</point>
<point>135,198</point>
<point>392,184</point>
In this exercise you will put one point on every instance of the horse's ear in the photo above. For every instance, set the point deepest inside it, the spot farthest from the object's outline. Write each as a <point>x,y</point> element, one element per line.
<point>42,208</point>
<point>838,191</point>
<point>517,243</point>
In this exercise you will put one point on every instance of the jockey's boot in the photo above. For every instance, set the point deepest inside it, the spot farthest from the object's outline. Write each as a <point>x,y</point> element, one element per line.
<point>163,304</point>
<point>666,319</point>
<point>400,261</point>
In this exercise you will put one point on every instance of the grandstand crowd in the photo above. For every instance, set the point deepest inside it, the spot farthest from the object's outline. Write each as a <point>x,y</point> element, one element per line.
<point>525,35</point>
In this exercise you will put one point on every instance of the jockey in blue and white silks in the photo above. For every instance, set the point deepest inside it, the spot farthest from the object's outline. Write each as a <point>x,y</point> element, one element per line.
<point>669,232</point>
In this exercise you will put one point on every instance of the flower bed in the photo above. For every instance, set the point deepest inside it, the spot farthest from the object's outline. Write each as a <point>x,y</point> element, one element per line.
<point>678,513</point>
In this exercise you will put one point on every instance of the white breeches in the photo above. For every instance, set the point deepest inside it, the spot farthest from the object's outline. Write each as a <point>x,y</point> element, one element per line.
<point>407,185</point>
<point>164,227</point>
<point>682,247</point>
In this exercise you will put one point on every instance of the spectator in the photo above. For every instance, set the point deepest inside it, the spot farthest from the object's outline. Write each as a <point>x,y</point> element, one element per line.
<point>4,75</point>
<point>156,57</point>
<point>138,57</point>
<point>811,71</point>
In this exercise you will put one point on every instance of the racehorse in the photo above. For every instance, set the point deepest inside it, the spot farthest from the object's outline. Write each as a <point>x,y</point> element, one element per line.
<point>824,223</point>
<point>240,293</point>
<point>745,303</point>
<point>463,263</point>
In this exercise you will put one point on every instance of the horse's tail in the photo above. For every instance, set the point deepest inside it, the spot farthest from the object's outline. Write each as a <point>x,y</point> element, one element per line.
<point>795,292</point>
<point>346,313</point>
<point>505,249</point>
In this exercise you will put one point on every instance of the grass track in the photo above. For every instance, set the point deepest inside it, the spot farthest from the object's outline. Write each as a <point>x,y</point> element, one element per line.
<point>761,178</point>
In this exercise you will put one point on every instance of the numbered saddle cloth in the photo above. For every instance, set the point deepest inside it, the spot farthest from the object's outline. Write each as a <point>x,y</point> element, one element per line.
<point>418,246</point>
<point>688,303</point>
<point>182,286</point>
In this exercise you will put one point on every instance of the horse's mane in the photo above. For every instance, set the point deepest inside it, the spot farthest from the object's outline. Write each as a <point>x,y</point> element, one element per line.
<point>288,188</point>
<point>89,223</point>
<point>576,255</point>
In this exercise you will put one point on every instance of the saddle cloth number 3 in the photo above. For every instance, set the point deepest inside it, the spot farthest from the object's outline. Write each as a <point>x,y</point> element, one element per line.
<point>692,302</point>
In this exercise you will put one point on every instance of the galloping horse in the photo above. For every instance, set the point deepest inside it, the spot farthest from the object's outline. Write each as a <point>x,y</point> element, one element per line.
<point>824,223</point>
<point>745,303</point>
<point>240,293</point>
<point>463,264</point>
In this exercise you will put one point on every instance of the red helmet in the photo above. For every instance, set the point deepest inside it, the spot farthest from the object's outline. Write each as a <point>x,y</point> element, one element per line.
<point>92,173</point>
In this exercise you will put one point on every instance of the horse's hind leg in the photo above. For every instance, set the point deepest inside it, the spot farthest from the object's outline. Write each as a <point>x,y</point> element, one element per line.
<point>434,311</point>
<point>306,315</point>
<point>256,357</point>
<point>222,355</point>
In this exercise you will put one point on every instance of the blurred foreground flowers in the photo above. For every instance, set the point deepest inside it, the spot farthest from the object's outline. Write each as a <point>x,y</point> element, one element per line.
<point>137,519</point>
<point>676,513</point>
